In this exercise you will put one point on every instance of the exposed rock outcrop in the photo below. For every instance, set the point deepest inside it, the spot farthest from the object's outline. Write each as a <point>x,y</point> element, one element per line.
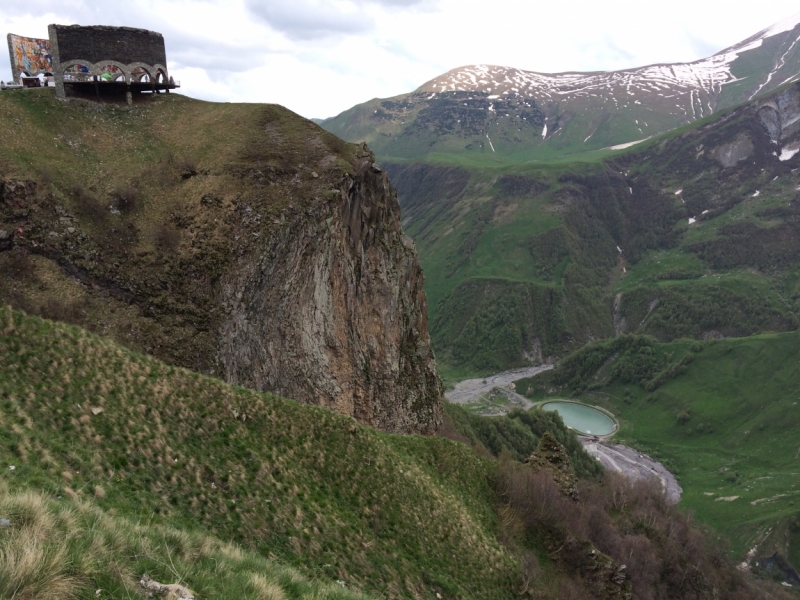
<point>333,312</point>
<point>780,114</point>
<point>280,264</point>
<point>169,591</point>
<point>552,457</point>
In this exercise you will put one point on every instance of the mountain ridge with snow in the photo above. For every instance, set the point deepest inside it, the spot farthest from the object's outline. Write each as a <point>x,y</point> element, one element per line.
<point>708,73</point>
<point>508,112</point>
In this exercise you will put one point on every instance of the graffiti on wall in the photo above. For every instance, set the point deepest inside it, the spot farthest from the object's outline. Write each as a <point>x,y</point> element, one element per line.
<point>30,55</point>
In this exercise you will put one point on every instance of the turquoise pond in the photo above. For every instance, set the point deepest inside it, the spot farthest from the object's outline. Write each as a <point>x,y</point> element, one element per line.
<point>582,418</point>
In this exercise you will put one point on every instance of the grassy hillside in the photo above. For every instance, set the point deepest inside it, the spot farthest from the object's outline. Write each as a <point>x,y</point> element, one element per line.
<point>474,128</point>
<point>81,551</point>
<point>723,415</point>
<point>400,516</point>
<point>124,465</point>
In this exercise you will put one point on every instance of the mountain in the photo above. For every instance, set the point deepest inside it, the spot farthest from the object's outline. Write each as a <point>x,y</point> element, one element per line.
<point>690,234</point>
<point>497,114</point>
<point>227,250</point>
<point>240,241</point>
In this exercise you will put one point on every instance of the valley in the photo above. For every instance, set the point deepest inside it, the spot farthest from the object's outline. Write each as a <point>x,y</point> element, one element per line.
<point>725,425</point>
<point>496,395</point>
<point>509,335</point>
<point>554,211</point>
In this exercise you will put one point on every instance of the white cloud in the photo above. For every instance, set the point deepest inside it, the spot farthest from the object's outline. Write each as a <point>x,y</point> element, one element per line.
<point>311,19</point>
<point>319,57</point>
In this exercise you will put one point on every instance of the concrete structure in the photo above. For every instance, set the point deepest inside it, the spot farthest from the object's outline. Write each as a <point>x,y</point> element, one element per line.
<point>94,60</point>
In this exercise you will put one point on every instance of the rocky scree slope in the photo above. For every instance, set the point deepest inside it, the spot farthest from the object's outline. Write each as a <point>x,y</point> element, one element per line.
<point>502,113</point>
<point>239,241</point>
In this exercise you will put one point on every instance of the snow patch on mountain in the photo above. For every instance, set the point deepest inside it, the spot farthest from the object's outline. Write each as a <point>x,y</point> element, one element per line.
<point>627,145</point>
<point>787,24</point>
<point>788,154</point>
<point>695,85</point>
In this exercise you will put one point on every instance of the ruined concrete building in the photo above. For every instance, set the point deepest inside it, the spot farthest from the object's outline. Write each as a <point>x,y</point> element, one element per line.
<point>93,61</point>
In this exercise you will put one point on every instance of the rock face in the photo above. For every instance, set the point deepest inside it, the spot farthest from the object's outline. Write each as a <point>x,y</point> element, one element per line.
<point>333,313</point>
<point>552,457</point>
<point>278,262</point>
<point>780,114</point>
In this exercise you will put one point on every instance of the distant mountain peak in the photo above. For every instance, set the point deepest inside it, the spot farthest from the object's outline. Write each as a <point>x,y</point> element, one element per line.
<point>508,111</point>
<point>787,24</point>
<point>696,84</point>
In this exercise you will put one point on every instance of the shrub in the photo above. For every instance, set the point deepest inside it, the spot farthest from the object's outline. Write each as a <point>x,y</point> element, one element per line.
<point>630,521</point>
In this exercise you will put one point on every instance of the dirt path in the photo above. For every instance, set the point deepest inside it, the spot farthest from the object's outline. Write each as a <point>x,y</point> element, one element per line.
<point>634,465</point>
<point>470,390</point>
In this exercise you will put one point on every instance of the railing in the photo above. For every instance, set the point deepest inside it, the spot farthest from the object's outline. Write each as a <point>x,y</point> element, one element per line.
<point>73,79</point>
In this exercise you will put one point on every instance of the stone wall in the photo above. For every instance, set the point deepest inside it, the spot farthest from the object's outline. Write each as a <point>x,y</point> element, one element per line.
<point>95,48</point>
<point>96,44</point>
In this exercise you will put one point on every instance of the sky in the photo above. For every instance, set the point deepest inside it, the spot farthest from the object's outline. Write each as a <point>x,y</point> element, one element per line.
<point>320,57</point>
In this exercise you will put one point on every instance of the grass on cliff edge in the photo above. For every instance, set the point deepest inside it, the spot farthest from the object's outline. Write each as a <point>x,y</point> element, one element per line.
<point>727,427</point>
<point>398,516</point>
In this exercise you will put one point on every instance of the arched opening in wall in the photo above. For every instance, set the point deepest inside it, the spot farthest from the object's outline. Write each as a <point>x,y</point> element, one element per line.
<point>29,81</point>
<point>104,81</point>
<point>161,77</point>
<point>140,75</point>
<point>111,73</point>
<point>77,73</point>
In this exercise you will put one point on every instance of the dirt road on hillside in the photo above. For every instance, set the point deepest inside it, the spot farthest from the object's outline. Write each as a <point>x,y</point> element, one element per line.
<point>634,465</point>
<point>468,390</point>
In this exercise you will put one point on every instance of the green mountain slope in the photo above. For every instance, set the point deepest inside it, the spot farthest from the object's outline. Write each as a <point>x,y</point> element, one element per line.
<point>499,115</point>
<point>304,484</point>
<point>722,414</point>
<point>690,235</point>
<point>58,550</point>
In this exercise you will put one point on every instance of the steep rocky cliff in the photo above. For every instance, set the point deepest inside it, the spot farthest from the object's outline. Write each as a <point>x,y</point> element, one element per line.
<point>240,241</point>
<point>334,312</point>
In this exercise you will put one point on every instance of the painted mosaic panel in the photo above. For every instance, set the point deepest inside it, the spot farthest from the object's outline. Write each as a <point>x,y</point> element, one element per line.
<point>30,55</point>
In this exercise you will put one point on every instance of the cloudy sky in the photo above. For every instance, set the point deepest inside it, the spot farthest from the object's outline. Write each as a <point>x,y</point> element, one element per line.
<point>320,57</point>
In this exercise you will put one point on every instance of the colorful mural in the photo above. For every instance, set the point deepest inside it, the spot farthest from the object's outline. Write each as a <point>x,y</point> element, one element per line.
<point>77,73</point>
<point>30,55</point>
